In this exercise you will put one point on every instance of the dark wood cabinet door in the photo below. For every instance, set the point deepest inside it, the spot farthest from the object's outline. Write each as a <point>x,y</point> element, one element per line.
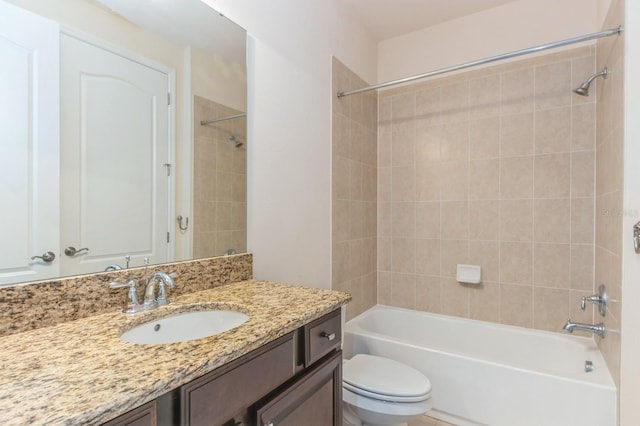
<point>219,396</point>
<point>313,400</point>
<point>145,415</point>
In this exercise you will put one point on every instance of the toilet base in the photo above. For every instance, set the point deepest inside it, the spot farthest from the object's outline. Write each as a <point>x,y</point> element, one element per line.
<point>350,418</point>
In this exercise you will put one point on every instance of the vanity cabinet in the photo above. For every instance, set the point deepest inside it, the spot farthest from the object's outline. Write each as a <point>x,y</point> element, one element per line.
<point>293,380</point>
<point>313,400</point>
<point>145,415</point>
<point>228,391</point>
<point>322,336</point>
<point>314,397</point>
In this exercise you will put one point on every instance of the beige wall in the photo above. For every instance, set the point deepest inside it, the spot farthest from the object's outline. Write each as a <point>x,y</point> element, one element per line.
<point>515,25</point>
<point>219,220</point>
<point>603,10</point>
<point>207,73</point>
<point>495,168</point>
<point>353,177</point>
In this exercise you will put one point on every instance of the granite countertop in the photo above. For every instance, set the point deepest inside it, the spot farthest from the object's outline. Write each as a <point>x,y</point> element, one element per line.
<point>80,372</point>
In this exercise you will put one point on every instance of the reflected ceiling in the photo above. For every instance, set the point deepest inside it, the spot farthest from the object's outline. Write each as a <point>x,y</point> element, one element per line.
<point>171,19</point>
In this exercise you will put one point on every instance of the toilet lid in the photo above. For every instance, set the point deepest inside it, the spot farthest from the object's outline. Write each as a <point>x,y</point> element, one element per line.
<point>384,379</point>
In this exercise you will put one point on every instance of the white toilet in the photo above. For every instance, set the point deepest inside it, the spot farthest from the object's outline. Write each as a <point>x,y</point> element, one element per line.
<point>380,391</point>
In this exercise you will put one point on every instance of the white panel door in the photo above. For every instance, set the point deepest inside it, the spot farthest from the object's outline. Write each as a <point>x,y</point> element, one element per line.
<point>29,139</point>
<point>114,183</point>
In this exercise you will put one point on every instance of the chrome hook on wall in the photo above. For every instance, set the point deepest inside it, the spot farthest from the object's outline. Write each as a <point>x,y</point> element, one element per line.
<point>186,223</point>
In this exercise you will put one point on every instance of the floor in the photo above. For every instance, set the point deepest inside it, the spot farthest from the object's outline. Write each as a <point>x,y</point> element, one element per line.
<point>429,421</point>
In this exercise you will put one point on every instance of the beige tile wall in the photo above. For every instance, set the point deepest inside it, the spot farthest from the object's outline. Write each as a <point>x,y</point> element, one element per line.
<point>609,184</point>
<point>219,181</point>
<point>493,167</point>
<point>354,193</point>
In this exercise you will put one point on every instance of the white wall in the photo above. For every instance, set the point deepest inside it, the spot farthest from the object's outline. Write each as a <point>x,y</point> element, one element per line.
<point>630,344</point>
<point>289,128</point>
<point>514,26</point>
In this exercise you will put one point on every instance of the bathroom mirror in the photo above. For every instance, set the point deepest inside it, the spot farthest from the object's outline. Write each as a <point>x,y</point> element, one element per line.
<point>106,161</point>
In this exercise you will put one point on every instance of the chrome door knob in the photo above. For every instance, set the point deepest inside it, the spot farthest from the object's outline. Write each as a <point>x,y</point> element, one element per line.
<point>46,257</point>
<point>72,251</point>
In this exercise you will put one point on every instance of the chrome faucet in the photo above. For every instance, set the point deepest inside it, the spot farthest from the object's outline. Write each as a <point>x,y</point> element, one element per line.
<point>593,328</point>
<point>150,299</point>
<point>132,305</point>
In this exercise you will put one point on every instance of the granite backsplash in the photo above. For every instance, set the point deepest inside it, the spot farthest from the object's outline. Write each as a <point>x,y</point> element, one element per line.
<point>28,306</point>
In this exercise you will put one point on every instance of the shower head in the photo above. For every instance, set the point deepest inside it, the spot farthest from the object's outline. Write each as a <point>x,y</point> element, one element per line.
<point>238,143</point>
<point>584,87</point>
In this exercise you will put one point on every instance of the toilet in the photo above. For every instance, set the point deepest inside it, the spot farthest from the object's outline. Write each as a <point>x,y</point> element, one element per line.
<point>379,391</point>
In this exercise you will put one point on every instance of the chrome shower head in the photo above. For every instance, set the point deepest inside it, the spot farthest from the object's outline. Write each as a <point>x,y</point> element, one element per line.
<point>238,143</point>
<point>584,87</point>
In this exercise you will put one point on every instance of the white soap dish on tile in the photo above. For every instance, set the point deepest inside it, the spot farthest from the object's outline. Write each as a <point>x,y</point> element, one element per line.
<point>470,274</point>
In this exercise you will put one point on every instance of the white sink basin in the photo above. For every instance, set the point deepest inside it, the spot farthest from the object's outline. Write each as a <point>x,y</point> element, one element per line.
<point>184,326</point>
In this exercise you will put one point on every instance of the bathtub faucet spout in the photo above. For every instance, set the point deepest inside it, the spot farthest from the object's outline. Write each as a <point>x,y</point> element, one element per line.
<point>594,328</point>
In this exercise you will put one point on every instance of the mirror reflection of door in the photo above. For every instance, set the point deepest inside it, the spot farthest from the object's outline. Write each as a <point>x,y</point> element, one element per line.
<point>115,158</point>
<point>28,145</point>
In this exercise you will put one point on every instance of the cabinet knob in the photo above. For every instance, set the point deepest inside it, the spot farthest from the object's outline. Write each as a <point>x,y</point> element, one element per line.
<point>328,336</point>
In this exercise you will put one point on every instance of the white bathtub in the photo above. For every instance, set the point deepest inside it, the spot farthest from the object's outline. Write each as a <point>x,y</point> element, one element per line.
<point>489,374</point>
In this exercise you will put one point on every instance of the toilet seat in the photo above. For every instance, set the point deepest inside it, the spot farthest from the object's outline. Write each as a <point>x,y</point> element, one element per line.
<point>384,379</point>
<point>376,411</point>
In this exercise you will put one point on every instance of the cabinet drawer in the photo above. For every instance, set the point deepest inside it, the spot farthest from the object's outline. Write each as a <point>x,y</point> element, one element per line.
<point>216,397</point>
<point>145,415</point>
<point>322,336</point>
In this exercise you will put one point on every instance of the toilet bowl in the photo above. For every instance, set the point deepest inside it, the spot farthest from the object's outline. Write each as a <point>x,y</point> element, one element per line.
<point>380,391</point>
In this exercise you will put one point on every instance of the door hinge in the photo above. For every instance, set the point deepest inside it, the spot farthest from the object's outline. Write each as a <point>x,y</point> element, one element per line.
<point>168,98</point>
<point>168,166</point>
<point>168,237</point>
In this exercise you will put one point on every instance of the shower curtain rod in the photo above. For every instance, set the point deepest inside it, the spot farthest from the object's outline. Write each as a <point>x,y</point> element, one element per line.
<point>539,48</point>
<point>228,117</point>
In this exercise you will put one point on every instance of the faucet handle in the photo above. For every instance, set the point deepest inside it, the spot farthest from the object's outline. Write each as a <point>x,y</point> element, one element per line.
<point>599,299</point>
<point>162,299</point>
<point>583,303</point>
<point>132,305</point>
<point>118,284</point>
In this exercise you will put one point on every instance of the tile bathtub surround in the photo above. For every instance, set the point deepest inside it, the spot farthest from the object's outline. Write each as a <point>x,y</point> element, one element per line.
<point>219,181</point>
<point>30,306</point>
<point>493,167</point>
<point>354,176</point>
